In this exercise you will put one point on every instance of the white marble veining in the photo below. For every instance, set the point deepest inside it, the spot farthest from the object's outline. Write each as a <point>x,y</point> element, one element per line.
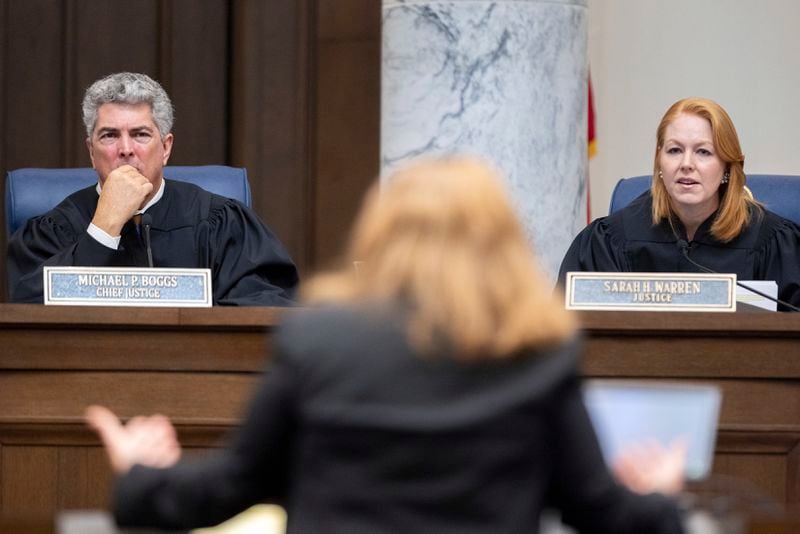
<point>505,80</point>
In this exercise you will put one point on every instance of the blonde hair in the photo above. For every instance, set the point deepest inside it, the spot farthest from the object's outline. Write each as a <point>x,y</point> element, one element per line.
<point>442,237</point>
<point>735,202</point>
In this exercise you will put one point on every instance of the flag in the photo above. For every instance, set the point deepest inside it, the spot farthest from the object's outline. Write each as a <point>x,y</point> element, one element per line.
<point>592,147</point>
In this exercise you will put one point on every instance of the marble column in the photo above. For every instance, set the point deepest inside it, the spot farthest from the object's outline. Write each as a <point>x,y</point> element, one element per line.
<point>504,80</point>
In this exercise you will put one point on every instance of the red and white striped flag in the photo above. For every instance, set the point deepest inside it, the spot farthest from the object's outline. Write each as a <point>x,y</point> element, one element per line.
<point>592,148</point>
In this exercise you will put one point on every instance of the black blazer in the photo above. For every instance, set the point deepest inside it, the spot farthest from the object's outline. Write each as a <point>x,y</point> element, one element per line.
<point>353,432</point>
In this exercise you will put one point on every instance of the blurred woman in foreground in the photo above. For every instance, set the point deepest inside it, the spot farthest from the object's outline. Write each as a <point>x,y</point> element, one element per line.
<point>434,388</point>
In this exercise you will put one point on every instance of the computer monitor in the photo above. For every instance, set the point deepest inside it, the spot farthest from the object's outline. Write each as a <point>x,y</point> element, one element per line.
<point>625,412</point>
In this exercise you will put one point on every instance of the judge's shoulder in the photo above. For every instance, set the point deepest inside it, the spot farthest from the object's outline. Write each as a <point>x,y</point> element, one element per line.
<point>634,215</point>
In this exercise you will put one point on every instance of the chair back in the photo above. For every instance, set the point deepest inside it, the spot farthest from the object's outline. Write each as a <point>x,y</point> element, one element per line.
<point>779,193</point>
<point>31,192</point>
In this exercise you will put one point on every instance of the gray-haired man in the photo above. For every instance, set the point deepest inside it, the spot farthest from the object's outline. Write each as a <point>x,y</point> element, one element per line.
<point>128,118</point>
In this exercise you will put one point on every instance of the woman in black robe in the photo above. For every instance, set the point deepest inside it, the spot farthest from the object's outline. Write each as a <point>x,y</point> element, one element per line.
<point>698,214</point>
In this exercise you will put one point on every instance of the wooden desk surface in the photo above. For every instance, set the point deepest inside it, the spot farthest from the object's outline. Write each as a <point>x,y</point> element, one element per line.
<point>199,365</point>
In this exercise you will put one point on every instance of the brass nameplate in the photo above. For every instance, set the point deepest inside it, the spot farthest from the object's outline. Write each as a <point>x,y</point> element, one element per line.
<point>651,291</point>
<point>127,286</point>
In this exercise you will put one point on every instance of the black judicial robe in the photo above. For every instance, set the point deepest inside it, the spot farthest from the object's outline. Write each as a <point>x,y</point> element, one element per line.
<point>191,228</point>
<point>627,241</point>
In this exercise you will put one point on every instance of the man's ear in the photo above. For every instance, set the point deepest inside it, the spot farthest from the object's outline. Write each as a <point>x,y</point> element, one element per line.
<point>90,148</point>
<point>167,143</point>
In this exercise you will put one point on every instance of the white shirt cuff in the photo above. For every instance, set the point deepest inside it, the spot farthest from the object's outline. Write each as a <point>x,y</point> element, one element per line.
<point>103,238</point>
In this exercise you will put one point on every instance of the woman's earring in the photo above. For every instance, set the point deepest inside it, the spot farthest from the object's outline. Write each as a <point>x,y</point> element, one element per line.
<point>726,177</point>
<point>660,175</point>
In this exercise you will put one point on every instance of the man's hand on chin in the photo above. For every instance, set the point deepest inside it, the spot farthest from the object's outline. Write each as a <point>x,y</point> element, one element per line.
<point>124,191</point>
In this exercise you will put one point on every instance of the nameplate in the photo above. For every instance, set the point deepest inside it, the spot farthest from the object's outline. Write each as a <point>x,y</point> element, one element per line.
<point>127,286</point>
<point>651,291</point>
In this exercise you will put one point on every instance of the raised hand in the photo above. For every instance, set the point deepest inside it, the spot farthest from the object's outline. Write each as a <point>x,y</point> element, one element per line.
<point>124,192</point>
<point>650,467</point>
<point>149,441</point>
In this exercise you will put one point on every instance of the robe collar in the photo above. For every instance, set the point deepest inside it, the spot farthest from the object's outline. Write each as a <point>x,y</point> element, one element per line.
<point>702,234</point>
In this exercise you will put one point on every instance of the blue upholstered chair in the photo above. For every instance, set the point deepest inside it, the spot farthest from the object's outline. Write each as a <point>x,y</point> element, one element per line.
<point>779,193</point>
<point>31,192</point>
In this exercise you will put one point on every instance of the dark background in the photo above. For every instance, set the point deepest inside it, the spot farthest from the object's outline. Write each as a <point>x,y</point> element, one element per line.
<point>289,89</point>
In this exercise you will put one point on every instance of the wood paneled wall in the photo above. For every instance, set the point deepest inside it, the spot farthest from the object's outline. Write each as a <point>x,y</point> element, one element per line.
<point>347,134</point>
<point>288,89</point>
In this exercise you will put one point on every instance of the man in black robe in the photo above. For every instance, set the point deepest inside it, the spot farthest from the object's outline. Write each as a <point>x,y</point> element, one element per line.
<point>128,120</point>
